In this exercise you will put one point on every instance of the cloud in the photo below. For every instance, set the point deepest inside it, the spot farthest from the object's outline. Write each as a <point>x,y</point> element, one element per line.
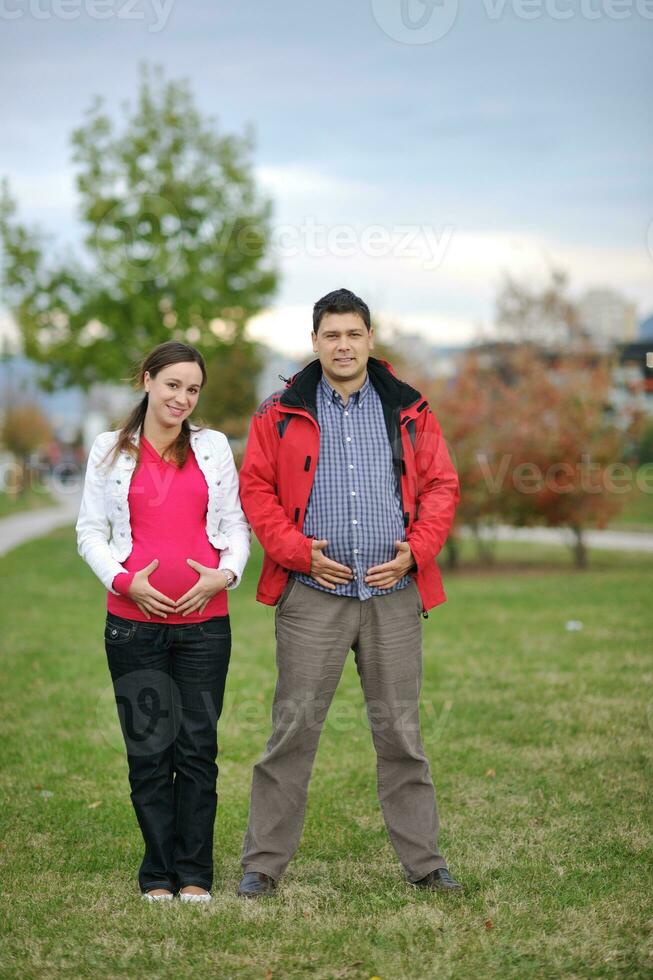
<point>286,328</point>
<point>10,337</point>
<point>293,186</point>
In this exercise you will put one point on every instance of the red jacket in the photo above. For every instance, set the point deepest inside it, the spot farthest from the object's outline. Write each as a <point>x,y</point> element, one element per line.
<point>278,470</point>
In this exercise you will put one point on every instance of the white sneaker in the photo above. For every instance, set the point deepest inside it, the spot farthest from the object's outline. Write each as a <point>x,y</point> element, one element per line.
<point>157,898</point>
<point>190,897</point>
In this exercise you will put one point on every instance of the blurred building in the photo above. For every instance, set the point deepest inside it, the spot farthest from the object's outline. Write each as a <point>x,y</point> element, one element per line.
<point>646,329</point>
<point>633,376</point>
<point>427,359</point>
<point>608,317</point>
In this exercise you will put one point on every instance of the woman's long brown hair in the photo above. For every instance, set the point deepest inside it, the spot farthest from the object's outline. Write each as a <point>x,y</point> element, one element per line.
<point>171,352</point>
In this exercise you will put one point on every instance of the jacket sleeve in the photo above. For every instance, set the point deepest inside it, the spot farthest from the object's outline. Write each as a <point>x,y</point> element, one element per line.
<point>92,528</point>
<point>280,538</point>
<point>232,519</point>
<point>438,492</point>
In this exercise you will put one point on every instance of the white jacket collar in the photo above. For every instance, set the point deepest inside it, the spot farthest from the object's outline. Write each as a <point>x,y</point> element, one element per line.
<point>194,430</point>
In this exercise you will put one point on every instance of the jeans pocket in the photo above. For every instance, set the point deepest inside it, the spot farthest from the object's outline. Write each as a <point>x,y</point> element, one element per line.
<point>117,633</point>
<point>216,627</point>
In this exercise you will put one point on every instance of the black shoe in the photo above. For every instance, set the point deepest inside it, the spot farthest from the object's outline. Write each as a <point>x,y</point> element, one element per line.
<point>439,881</point>
<point>253,884</point>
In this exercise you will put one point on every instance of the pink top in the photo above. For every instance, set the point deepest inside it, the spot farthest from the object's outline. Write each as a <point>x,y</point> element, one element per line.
<point>167,508</point>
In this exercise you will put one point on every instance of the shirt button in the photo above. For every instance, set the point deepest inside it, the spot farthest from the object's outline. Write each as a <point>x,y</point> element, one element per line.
<point>354,522</point>
<point>346,413</point>
<point>348,440</point>
<point>353,493</point>
<point>351,466</point>
<point>355,551</point>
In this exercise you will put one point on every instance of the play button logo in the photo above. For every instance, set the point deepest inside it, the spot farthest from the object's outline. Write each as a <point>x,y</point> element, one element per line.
<point>415,21</point>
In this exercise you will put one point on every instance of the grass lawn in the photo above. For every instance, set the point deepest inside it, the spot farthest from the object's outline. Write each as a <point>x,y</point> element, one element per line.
<point>637,511</point>
<point>540,745</point>
<point>11,504</point>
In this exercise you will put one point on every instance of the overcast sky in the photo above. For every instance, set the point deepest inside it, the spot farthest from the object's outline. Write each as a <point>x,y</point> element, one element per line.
<point>437,149</point>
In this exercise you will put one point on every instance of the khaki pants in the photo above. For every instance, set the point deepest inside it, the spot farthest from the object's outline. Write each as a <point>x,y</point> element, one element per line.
<point>315,632</point>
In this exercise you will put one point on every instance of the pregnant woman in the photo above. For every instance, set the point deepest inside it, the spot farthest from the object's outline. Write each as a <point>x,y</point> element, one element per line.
<point>161,526</point>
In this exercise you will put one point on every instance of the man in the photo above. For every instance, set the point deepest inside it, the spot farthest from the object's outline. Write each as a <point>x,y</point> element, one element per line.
<point>349,487</point>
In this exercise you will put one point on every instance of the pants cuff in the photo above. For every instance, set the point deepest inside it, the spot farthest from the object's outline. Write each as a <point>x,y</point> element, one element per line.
<point>412,878</point>
<point>260,870</point>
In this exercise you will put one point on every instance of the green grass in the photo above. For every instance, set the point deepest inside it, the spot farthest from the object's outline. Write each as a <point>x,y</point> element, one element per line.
<point>11,504</point>
<point>637,512</point>
<point>540,746</point>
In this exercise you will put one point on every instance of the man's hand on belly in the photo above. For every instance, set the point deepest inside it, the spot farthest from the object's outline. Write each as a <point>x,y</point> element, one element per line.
<point>387,575</point>
<point>324,570</point>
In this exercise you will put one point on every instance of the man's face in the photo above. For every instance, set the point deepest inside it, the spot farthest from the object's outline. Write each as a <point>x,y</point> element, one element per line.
<point>343,344</point>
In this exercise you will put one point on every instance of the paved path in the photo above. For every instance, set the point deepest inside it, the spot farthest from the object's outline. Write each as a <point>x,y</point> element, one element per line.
<point>35,523</point>
<point>607,540</point>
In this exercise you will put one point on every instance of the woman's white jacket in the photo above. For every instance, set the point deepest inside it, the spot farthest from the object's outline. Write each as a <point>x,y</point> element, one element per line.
<point>104,537</point>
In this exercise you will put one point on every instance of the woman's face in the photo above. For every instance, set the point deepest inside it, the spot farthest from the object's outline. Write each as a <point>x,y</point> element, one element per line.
<point>173,392</point>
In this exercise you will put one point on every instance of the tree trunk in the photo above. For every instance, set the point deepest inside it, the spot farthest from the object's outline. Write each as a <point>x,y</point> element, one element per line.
<point>579,549</point>
<point>452,553</point>
<point>484,546</point>
<point>24,474</point>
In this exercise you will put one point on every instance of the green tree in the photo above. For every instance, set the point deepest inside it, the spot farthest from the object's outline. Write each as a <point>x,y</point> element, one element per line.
<point>230,393</point>
<point>176,242</point>
<point>24,429</point>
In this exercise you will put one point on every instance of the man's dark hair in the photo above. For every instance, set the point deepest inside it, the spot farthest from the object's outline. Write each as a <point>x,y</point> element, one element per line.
<point>340,301</point>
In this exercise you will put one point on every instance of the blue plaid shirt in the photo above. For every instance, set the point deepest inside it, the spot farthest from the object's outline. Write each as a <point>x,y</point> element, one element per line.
<point>354,503</point>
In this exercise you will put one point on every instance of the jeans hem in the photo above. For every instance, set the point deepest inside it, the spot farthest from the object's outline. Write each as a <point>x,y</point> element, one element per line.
<point>196,883</point>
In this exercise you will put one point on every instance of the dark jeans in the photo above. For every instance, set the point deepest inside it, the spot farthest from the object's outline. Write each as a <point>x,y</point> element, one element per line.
<point>169,684</point>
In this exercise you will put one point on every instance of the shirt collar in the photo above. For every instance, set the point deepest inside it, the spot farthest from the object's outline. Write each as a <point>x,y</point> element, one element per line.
<point>357,396</point>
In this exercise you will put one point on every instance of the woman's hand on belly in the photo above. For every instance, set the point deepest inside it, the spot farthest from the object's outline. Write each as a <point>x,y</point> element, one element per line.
<point>210,582</point>
<point>147,598</point>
